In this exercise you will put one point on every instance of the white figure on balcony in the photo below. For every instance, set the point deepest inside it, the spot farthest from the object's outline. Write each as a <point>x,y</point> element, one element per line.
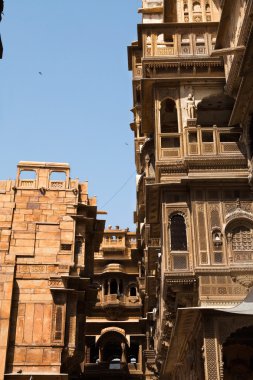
<point>191,107</point>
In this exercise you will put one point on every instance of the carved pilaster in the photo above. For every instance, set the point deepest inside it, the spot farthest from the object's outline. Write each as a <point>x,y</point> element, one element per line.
<point>210,353</point>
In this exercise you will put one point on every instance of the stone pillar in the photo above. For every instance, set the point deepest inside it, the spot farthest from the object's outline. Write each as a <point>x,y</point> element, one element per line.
<point>123,355</point>
<point>72,319</point>
<point>118,287</point>
<point>211,356</point>
<point>147,340</point>
<point>109,287</point>
<point>140,355</point>
<point>100,353</point>
<point>139,268</point>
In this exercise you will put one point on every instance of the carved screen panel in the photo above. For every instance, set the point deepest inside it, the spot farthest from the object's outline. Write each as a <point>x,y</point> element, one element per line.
<point>180,262</point>
<point>215,218</point>
<point>58,323</point>
<point>202,230</point>
<point>242,239</point>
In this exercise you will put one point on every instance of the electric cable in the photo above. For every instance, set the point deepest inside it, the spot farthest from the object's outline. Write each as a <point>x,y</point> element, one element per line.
<point>119,190</point>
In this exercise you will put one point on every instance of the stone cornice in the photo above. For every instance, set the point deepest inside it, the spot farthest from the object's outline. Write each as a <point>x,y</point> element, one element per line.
<point>222,164</point>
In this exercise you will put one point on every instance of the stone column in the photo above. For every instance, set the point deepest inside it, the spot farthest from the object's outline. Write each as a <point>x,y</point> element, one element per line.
<point>147,340</point>
<point>211,356</point>
<point>109,287</point>
<point>123,355</point>
<point>72,319</point>
<point>139,268</point>
<point>100,353</point>
<point>118,293</point>
<point>140,356</point>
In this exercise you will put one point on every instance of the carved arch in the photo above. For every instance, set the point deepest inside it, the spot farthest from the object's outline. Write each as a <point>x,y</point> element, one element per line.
<point>168,115</point>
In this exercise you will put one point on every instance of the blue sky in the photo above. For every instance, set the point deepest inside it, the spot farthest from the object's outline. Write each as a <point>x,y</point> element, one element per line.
<point>78,110</point>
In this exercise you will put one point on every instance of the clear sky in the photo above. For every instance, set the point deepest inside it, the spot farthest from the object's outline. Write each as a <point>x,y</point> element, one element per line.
<point>65,94</point>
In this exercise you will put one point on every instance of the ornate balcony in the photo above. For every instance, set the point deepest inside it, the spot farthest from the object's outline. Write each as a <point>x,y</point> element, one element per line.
<point>206,141</point>
<point>178,45</point>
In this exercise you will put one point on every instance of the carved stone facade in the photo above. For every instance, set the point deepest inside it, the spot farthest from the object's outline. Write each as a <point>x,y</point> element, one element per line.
<point>48,235</point>
<point>115,331</point>
<point>194,200</point>
<point>235,44</point>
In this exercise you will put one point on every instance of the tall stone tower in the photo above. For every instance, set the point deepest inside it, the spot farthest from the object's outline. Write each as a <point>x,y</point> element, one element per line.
<point>48,234</point>
<point>194,206</point>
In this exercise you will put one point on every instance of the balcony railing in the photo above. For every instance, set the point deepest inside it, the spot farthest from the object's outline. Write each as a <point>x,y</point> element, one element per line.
<point>134,367</point>
<point>105,366</point>
<point>171,145</point>
<point>113,299</point>
<point>57,184</point>
<point>113,242</point>
<point>27,183</point>
<point>208,141</point>
<point>156,45</point>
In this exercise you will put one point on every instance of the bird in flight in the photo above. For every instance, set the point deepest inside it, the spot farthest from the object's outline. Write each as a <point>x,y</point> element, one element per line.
<point>40,72</point>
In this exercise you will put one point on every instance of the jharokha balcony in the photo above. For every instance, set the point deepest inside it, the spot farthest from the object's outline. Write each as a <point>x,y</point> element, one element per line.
<point>177,40</point>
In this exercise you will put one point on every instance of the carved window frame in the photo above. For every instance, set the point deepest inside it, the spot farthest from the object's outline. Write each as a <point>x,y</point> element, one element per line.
<point>247,254</point>
<point>176,257</point>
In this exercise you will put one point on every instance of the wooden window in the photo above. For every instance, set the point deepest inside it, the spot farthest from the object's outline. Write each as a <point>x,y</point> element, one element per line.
<point>133,292</point>
<point>169,122</point>
<point>66,247</point>
<point>58,323</point>
<point>113,287</point>
<point>207,136</point>
<point>170,142</point>
<point>193,137</point>
<point>230,137</point>
<point>178,233</point>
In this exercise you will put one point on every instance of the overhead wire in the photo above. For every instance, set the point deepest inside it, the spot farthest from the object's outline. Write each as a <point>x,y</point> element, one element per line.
<point>119,190</point>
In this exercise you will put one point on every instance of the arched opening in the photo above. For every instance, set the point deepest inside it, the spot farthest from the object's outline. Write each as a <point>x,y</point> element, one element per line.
<point>185,44</point>
<point>178,237</point>
<point>113,348</point>
<point>113,287</point>
<point>238,355</point>
<point>29,175</point>
<point>196,7</point>
<point>106,287</point>
<point>239,233</point>
<point>121,287</point>
<point>112,352</point>
<point>133,291</point>
<point>169,121</point>
<point>58,176</point>
<point>200,44</point>
<point>197,12</point>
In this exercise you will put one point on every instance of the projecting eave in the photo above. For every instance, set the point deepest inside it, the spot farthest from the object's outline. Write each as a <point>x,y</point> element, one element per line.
<point>38,164</point>
<point>130,52</point>
<point>222,28</point>
<point>183,329</point>
<point>244,95</point>
<point>187,320</point>
<point>150,10</point>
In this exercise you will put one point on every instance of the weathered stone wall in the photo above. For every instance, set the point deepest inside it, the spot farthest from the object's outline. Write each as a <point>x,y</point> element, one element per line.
<point>37,257</point>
